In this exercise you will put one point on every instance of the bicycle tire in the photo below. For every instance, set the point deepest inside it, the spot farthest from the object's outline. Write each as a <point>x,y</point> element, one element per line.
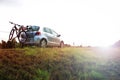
<point>22,37</point>
<point>11,34</point>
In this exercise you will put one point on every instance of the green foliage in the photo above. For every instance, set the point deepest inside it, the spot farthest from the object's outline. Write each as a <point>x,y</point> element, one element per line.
<point>32,63</point>
<point>96,75</point>
<point>30,51</point>
<point>41,75</point>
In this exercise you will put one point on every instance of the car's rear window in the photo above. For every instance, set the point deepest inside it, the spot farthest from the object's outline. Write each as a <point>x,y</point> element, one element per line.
<point>34,28</point>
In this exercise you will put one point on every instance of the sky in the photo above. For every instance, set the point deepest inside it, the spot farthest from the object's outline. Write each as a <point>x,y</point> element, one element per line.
<point>82,22</point>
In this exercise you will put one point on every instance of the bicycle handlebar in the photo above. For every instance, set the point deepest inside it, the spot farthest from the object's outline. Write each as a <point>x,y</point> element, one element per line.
<point>15,24</point>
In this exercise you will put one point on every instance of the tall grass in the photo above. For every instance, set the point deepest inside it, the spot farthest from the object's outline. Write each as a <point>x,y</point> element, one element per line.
<point>32,63</point>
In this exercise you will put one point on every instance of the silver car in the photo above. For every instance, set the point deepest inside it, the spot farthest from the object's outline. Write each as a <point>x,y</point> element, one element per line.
<point>43,37</point>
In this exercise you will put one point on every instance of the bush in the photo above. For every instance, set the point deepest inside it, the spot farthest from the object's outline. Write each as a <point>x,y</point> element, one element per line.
<point>0,45</point>
<point>8,44</point>
<point>3,44</point>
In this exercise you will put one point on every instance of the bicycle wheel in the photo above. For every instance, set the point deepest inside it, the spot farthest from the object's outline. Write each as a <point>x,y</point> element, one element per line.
<point>11,34</point>
<point>22,37</point>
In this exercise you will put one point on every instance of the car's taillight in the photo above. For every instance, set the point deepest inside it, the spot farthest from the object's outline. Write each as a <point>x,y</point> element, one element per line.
<point>37,33</point>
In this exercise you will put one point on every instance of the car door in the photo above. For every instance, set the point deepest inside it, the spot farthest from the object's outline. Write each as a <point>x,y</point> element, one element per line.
<point>48,34</point>
<point>56,39</point>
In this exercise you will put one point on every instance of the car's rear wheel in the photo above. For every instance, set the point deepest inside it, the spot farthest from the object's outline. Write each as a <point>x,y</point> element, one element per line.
<point>43,43</point>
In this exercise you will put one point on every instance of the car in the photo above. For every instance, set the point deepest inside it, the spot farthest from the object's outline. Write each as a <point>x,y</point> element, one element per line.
<point>42,37</point>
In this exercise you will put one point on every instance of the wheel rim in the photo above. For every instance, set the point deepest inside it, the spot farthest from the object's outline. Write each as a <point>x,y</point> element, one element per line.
<point>22,37</point>
<point>61,44</point>
<point>11,34</point>
<point>43,44</point>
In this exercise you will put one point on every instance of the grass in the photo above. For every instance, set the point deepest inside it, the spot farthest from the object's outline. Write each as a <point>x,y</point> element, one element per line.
<point>33,63</point>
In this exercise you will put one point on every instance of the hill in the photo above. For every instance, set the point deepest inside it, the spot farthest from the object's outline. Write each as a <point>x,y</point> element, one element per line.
<point>116,44</point>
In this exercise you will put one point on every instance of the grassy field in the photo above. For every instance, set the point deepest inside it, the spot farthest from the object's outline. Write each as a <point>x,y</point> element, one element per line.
<point>60,64</point>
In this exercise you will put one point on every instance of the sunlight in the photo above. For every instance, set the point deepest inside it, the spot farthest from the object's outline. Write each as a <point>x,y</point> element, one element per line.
<point>105,51</point>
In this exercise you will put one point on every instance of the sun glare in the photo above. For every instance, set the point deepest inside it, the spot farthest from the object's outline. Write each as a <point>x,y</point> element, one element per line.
<point>106,52</point>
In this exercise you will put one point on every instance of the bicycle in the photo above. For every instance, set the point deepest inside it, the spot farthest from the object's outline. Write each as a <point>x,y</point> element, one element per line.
<point>20,33</point>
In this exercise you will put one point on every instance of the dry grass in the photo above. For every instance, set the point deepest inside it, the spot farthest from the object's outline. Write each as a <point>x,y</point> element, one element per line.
<point>59,64</point>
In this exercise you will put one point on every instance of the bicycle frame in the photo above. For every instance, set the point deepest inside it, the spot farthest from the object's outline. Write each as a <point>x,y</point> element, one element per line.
<point>16,30</point>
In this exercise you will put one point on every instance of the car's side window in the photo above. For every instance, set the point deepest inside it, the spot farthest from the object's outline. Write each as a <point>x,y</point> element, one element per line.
<point>47,30</point>
<point>54,33</point>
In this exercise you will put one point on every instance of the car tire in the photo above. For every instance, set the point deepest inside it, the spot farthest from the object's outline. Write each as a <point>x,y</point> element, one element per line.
<point>43,43</point>
<point>61,44</point>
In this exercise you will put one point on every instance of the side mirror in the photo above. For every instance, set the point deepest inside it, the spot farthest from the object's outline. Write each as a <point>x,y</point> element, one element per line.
<point>58,35</point>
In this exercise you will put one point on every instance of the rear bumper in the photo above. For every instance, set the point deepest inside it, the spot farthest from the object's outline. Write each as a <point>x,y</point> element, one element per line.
<point>35,40</point>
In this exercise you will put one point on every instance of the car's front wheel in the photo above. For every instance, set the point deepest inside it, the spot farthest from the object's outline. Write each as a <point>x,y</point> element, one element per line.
<point>43,43</point>
<point>62,44</point>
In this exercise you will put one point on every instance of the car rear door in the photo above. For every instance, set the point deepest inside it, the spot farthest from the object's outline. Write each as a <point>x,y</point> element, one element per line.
<point>48,34</point>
